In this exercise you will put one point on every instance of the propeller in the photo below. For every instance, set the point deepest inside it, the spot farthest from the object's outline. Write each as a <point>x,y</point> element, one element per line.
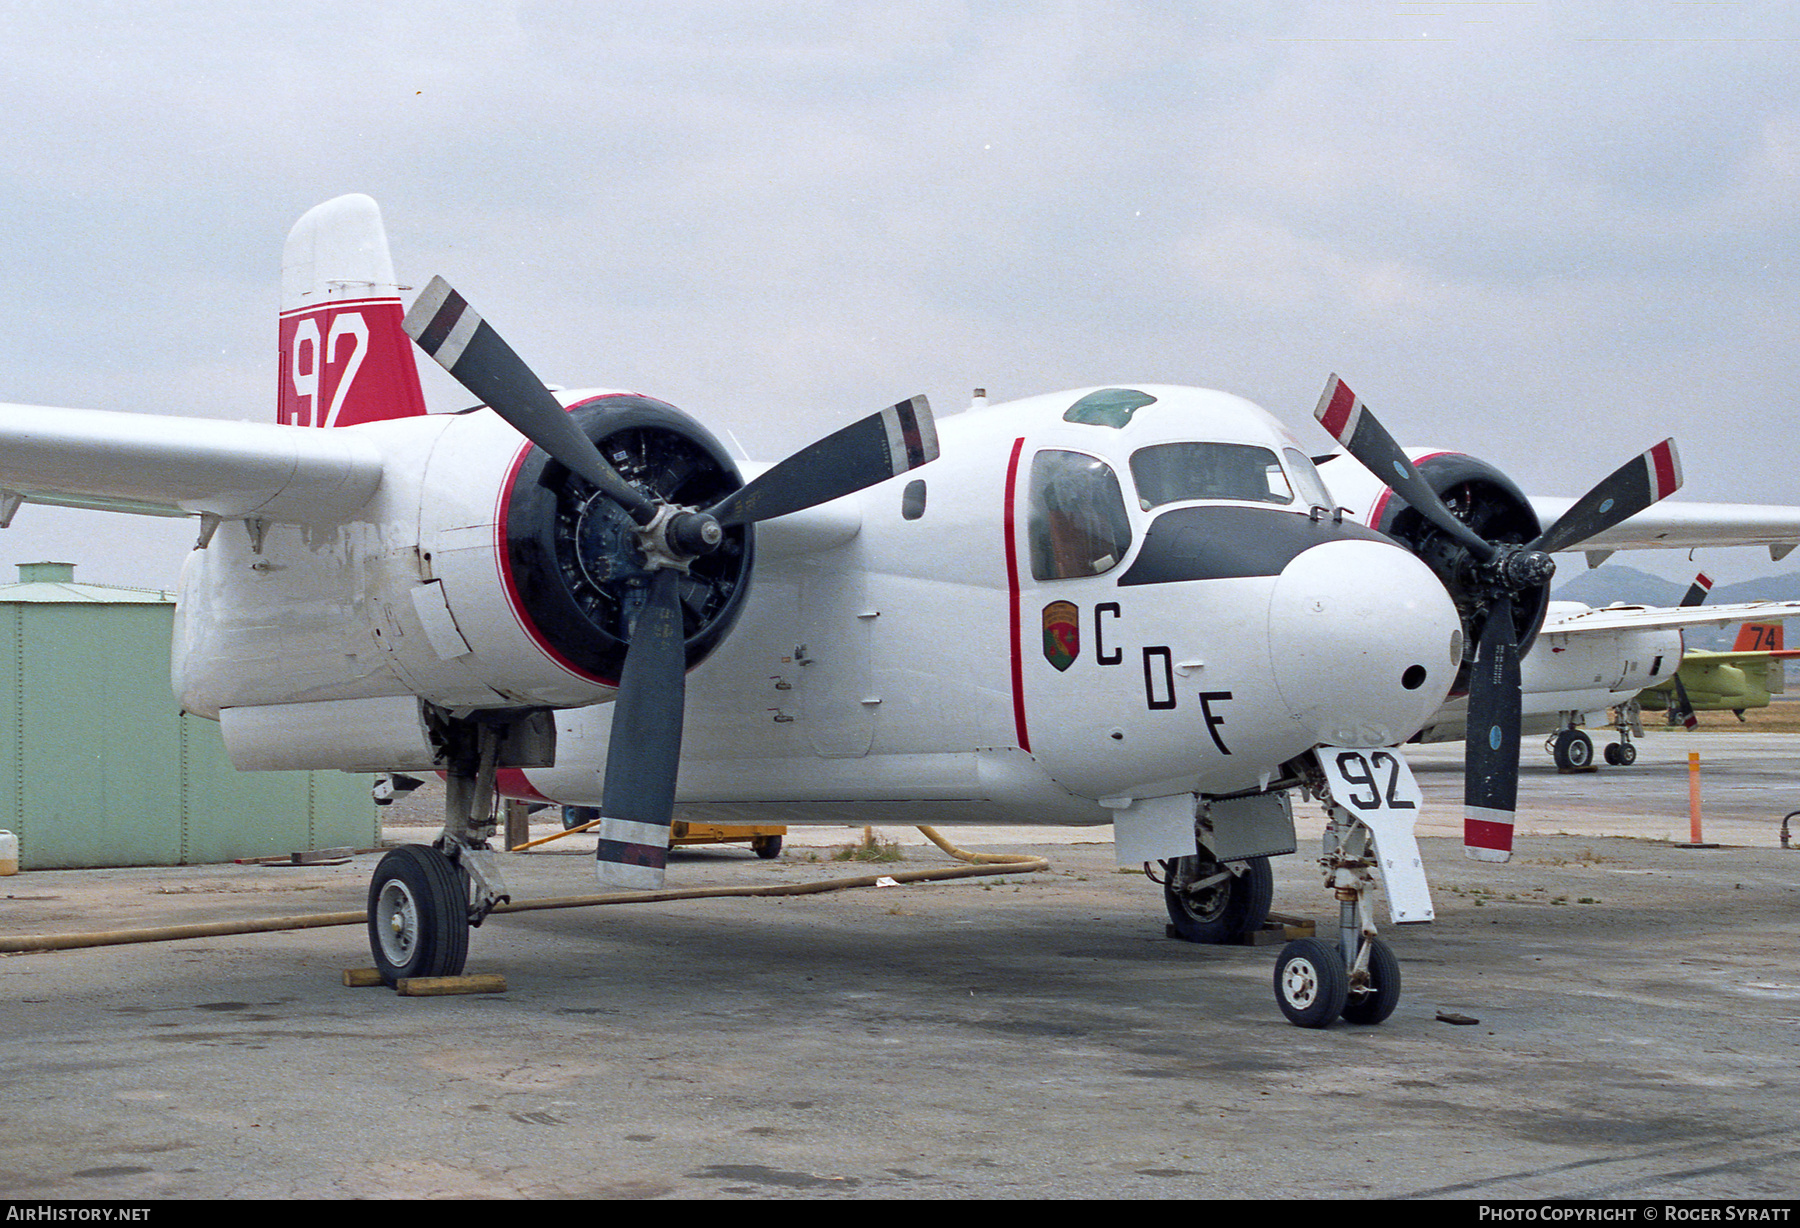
<point>1683,708</point>
<point>1697,591</point>
<point>644,754</point>
<point>1493,575</point>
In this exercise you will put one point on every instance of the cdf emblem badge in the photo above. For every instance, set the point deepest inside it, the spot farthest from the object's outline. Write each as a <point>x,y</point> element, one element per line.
<point>1062,634</point>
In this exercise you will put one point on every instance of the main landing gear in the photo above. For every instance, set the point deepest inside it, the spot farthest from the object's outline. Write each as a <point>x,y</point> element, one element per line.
<point>1213,902</point>
<point>418,914</point>
<point>424,899</point>
<point>1572,749</point>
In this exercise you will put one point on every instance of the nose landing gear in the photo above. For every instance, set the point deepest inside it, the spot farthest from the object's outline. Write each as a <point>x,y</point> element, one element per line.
<point>1372,803</point>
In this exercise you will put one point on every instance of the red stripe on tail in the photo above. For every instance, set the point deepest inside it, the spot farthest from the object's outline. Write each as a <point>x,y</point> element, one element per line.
<point>344,362</point>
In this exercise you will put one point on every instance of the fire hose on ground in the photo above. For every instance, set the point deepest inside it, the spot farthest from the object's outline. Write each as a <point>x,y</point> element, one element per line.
<point>984,864</point>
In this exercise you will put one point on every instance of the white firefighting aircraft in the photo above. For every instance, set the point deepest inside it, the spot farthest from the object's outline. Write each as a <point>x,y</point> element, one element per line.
<point>1589,659</point>
<point>1137,605</point>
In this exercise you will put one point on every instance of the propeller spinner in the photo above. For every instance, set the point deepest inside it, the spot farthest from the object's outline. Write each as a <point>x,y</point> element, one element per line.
<point>644,752</point>
<point>1495,575</point>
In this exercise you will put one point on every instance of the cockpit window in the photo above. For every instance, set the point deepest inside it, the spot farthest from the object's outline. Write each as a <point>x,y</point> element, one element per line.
<point>1177,472</point>
<point>1306,477</point>
<point>1077,522</point>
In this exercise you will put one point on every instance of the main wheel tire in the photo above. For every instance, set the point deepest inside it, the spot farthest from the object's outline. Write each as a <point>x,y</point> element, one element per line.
<point>1311,983</point>
<point>1377,1002</point>
<point>1224,912</point>
<point>418,915</point>
<point>1572,748</point>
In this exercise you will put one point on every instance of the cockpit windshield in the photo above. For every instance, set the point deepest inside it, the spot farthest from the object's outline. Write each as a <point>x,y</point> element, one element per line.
<point>1178,472</point>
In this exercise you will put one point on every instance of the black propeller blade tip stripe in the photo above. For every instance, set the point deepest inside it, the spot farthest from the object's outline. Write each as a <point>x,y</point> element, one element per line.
<point>912,434</point>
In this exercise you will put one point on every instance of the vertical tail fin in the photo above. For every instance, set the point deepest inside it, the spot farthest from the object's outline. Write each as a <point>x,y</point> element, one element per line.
<point>344,358</point>
<point>1758,637</point>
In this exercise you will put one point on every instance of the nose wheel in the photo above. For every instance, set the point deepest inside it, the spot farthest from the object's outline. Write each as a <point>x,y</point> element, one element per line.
<point>1313,986</point>
<point>1311,983</point>
<point>1375,986</point>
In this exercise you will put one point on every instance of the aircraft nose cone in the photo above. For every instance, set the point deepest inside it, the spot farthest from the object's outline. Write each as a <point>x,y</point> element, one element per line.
<point>1366,642</point>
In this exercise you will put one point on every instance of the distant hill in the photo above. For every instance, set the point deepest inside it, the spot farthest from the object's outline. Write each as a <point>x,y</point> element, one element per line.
<point>1613,583</point>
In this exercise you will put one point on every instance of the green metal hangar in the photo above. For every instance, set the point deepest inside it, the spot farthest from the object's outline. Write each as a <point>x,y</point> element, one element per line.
<point>103,768</point>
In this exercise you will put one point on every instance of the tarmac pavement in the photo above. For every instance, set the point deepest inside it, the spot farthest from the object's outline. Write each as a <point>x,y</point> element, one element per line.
<point>1032,1035</point>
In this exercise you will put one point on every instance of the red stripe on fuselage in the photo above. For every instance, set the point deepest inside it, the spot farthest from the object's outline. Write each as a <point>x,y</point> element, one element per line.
<point>1012,592</point>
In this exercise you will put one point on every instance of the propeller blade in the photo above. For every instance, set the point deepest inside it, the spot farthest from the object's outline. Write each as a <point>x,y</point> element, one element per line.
<point>466,346</point>
<point>883,445</point>
<point>1684,707</point>
<point>1491,763</point>
<point>1342,413</point>
<point>1697,591</point>
<point>1634,486</point>
<point>644,753</point>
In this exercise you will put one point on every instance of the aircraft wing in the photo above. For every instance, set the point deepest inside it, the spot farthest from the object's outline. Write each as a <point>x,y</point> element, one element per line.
<point>166,466</point>
<point>1701,656</point>
<point>1683,526</point>
<point>1650,618</point>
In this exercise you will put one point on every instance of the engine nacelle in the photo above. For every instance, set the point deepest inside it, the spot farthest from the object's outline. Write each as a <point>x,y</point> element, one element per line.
<point>1481,497</point>
<point>482,576</point>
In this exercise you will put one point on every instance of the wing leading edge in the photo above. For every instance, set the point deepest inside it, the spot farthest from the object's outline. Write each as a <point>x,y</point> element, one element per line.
<point>166,466</point>
<point>1653,618</point>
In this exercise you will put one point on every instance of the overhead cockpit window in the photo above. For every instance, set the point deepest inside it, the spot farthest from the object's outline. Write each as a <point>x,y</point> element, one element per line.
<point>1179,472</point>
<point>1077,522</point>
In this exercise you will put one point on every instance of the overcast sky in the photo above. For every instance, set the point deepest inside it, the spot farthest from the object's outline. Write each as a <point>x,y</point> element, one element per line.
<point>1545,233</point>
